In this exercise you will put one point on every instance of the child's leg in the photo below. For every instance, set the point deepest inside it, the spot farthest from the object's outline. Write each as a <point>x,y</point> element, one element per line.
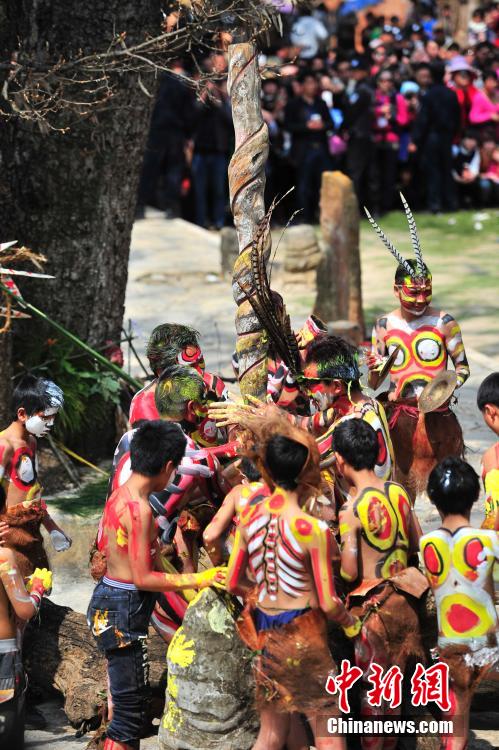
<point>128,671</point>
<point>460,707</point>
<point>109,698</point>
<point>274,728</point>
<point>297,736</point>
<point>337,742</point>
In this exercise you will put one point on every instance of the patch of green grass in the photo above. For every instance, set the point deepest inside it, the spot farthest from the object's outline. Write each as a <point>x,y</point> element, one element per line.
<point>87,501</point>
<point>447,234</point>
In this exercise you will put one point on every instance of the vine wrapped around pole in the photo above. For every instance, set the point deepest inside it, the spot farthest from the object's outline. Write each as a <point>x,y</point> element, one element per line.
<point>247,186</point>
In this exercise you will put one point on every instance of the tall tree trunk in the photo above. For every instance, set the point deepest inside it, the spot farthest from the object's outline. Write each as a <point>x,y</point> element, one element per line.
<point>71,195</point>
<point>247,186</point>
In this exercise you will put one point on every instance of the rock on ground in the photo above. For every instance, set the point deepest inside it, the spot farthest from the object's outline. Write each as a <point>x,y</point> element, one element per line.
<point>210,689</point>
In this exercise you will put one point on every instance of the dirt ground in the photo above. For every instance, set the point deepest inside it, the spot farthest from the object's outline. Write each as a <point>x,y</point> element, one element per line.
<point>174,276</point>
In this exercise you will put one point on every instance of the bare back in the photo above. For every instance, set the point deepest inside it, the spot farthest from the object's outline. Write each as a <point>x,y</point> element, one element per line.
<point>377,533</point>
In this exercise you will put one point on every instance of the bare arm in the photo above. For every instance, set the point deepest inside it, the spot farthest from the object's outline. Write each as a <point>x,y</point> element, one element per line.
<point>378,350</point>
<point>212,535</point>
<point>237,581</point>
<point>321,556</point>
<point>349,530</point>
<point>24,604</point>
<point>491,483</point>
<point>139,554</point>
<point>455,349</point>
<point>6,453</point>
<point>415,533</point>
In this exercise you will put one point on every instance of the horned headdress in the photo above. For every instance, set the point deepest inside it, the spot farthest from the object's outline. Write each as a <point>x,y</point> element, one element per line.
<point>421,268</point>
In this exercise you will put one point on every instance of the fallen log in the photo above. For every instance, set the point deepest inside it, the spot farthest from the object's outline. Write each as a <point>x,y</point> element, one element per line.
<point>60,656</point>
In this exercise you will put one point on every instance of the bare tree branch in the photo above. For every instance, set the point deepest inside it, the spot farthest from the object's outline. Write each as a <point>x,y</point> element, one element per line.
<point>52,90</point>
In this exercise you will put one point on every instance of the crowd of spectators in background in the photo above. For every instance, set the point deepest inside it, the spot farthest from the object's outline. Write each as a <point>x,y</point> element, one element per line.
<point>395,105</point>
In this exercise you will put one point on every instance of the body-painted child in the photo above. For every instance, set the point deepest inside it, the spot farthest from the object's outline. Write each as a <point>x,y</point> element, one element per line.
<point>458,560</point>
<point>218,536</point>
<point>19,602</point>
<point>288,553</point>
<point>35,404</point>
<point>427,337</point>
<point>379,533</point>
<point>123,600</point>
<point>488,403</point>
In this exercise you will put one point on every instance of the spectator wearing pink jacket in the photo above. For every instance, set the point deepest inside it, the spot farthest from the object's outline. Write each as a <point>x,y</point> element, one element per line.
<point>391,113</point>
<point>484,112</point>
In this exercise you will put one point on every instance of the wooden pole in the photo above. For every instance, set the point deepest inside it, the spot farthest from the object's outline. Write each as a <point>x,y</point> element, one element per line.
<point>339,290</point>
<point>247,186</point>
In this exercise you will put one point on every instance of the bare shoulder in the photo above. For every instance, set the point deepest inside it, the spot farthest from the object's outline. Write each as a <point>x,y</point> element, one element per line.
<point>6,445</point>
<point>382,320</point>
<point>448,321</point>
<point>489,460</point>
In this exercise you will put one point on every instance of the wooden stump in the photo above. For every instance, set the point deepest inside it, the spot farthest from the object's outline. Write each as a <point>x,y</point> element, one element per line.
<point>60,656</point>
<point>339,292</point>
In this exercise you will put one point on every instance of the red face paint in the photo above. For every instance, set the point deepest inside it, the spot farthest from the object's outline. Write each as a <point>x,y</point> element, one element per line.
<point>415,294</point>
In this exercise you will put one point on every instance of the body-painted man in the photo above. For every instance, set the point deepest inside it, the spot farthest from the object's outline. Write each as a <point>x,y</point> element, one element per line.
<point>173,344</point>
<point>123,600</point>
<point>427,338</point>
<point>288,553</point>
<point>488,403</point>
<point>195,490</point>
<point>458,560</point>
<point>19,602</point>
<point>379,532</point>
<point>35,404</point>
<point>331,377</point>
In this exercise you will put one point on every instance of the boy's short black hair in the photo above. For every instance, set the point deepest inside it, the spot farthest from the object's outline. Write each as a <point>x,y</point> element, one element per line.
<point>285,458</point>
<point>401,272</point>
<point>488,393</point>
<point>154,444</point>
<point>356,441</point>
<point>453,486</point>
<point>34,395</point>
<point>249,470</point>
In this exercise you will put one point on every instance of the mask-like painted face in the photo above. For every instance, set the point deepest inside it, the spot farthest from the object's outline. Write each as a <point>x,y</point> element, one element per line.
<point>322,400</point>
<point>40,424</point>
<point>316,388</point>
<point>415,294</point>
<point>193,356</point>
